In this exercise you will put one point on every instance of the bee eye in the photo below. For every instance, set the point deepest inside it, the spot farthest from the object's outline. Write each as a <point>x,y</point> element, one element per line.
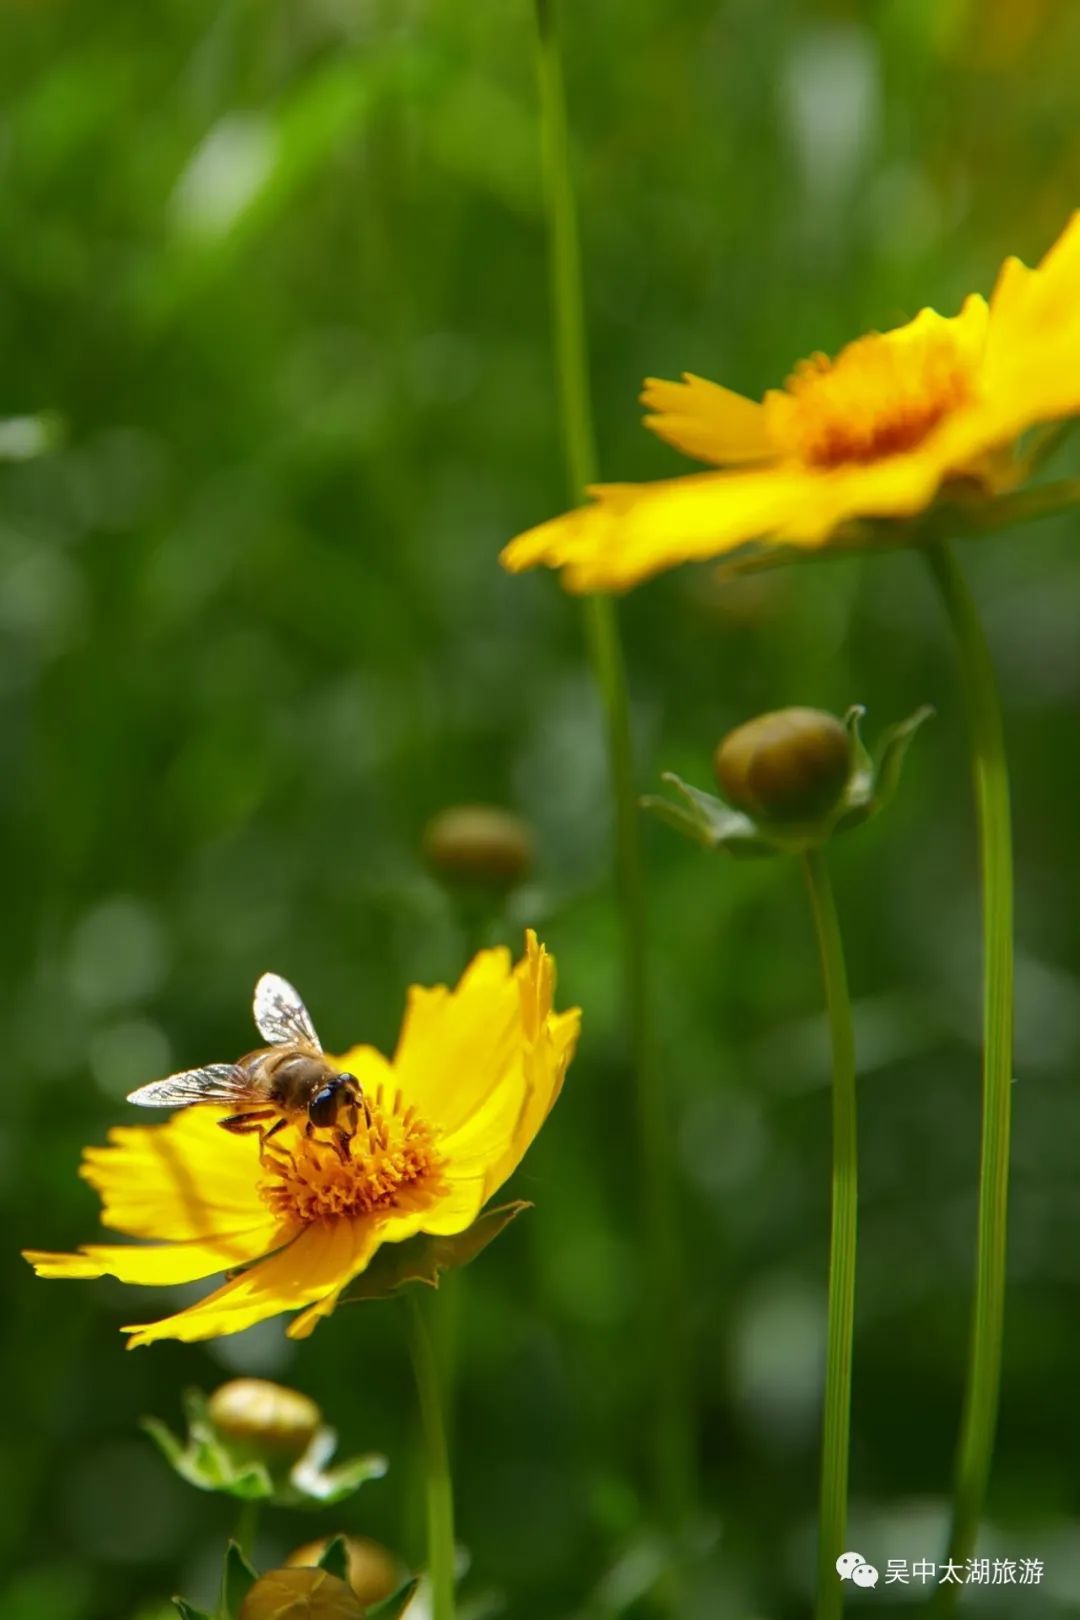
<point>323,1107</point>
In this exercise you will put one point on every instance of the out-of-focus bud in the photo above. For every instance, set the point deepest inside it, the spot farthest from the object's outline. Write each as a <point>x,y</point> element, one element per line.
<point>479,844</point>
<point>792,780</point>
<point>374,1573</point>
<point>788,766</point>
<point>301,1594</point>
<point>262,1421</point>
<point>261,1442</point>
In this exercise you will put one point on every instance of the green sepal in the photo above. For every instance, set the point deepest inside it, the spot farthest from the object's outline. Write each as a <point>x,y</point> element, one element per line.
<point>334,1558</point>
<point>872,782</point>
<point>188,1611</point>
<point>709,821</point>
<point>875,777</point>
<point>237,1579</point>
<point>207,1462</point>
<point>390,1608</point>
<point>424,1258</point>
<point>312,1485</point>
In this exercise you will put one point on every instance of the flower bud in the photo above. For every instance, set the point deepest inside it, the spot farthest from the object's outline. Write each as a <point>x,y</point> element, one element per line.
<point>301,1594</point>
<point>479,844</point>
<point>373,1572</point>
<point>264,1422</point>
<point>789,766</point>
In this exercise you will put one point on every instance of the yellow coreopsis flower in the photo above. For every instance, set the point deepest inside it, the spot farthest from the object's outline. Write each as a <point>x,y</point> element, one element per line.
<point>474,1075</point>
<point>896,419</point>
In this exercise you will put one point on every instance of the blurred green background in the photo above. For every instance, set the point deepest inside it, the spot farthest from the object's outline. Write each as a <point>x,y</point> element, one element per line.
<point>278,267</point>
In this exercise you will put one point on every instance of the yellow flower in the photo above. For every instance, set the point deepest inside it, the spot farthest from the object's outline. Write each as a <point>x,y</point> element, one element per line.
<point>475,1073</point>
<point>936,405</point>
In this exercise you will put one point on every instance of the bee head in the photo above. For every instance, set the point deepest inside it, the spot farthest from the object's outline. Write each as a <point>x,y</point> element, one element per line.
<point>325,1105</point>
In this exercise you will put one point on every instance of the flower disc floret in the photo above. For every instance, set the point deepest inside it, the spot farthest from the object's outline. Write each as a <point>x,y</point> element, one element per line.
<point>391,1158</point>
<point>882,395</point>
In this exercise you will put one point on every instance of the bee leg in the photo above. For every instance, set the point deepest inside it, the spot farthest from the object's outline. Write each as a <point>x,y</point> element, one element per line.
<point>358,1104</point>
<point>247,1124</point>
<point>343,1143</point>
<point>276,1149</point>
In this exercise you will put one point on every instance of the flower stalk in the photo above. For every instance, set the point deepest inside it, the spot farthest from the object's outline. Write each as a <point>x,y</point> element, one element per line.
<point>247,1527</point>
<point>673,1437</point>
<point>438,1484</point>
<point>991,777</point>
<point>836,1428</point>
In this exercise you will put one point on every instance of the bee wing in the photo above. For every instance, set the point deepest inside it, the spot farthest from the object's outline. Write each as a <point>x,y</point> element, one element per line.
<point>218,1082</point>
<point>280,1016</point>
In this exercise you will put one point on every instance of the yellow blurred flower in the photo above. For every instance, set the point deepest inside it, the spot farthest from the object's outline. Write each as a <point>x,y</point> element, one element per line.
<point>475,1073</point>
<point>877,433</point>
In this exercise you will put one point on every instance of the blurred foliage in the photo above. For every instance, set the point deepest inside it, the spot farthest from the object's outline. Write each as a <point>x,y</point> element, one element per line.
<point>277,267</point>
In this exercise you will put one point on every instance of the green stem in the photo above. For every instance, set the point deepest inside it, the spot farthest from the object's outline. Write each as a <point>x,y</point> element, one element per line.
<point>673,1440</point>
<point>991,773</point>
<point>438,1484</point>
<point>836,1428</point>
<point>247,1528</point>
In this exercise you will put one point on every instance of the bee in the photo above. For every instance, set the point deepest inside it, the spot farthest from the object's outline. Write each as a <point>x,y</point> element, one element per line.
<point>287,1081</point>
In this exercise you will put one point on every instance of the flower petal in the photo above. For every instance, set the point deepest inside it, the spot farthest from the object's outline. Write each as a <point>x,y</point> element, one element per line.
<point>161,1265</point>
<point>304,1325</point>
<point>492,1142</point>
<point>707,421</point>
<point>183,1179</point>
<point>1031,371</point>
<point>457,1045</point>
<point>316,1263</point>
<point>632,531</point>
<point>457,1208</point>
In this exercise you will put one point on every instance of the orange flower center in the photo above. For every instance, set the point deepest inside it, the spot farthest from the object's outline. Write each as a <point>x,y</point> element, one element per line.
<point>882,395</point>
<point>388,1162</point>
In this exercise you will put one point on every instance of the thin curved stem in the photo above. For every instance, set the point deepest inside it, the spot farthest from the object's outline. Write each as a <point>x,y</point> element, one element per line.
<point>991,773</point>
<point>438,1484</point>
<point>673,1444</point>
<point>836,1426</point>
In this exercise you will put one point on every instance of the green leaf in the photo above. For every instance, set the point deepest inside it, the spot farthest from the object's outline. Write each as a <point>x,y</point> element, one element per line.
<point>237,1579</point>
<point>423,1259</point>
<point>334,1558</point>
<point>188,1611</point>
<point>391,1607</point>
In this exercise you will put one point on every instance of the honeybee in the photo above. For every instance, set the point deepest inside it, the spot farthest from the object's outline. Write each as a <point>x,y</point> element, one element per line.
<point>287,1081</point>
